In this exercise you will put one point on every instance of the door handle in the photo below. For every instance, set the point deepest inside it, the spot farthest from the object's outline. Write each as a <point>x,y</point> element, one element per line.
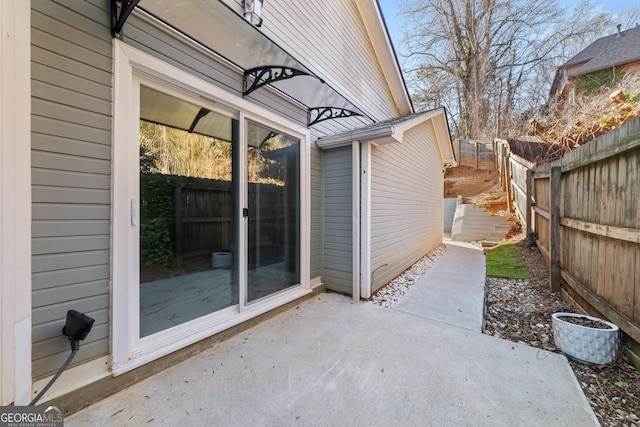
<point>245,212</point>
<point>134,213</point>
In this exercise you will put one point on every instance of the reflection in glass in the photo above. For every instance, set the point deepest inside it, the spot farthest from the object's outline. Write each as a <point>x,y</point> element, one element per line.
<point>187,244</point>
<point>274,211</point>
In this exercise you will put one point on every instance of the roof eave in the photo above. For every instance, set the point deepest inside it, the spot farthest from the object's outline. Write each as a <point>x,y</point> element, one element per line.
<point>385,51</point>
<point>394,133</point>
<point>383,135</point>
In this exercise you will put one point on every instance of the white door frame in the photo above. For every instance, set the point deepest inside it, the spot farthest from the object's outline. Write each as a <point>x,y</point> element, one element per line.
<point>15,202</point>
<point>128,350</point>
<point>365,219</point>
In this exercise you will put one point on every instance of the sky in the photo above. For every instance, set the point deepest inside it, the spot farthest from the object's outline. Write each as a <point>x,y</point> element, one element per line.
<point>395,25</point>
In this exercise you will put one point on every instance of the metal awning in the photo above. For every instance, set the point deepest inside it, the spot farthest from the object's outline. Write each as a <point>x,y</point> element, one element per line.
<point>217,27</point>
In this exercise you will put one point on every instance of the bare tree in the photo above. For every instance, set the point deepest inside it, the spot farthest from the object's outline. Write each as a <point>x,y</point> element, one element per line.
<point>491,61</point>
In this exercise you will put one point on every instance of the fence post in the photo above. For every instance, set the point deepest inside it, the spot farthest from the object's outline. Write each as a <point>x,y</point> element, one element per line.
<point>554,229</point>
<point>503,169</point>
<point>509,184</point>
<point>477,154</point>
<point>528,215</point>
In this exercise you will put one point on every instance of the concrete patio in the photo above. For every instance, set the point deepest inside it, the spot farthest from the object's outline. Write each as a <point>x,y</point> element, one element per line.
<point>331,361</point>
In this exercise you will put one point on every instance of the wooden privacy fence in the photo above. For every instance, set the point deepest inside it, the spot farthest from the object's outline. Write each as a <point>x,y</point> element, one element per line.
<point>476,154</point>
<point>515,179</point>
<point>584,210</point>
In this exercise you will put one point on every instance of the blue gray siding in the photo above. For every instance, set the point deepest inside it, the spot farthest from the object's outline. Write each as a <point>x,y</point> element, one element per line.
<point>72,165</point>
<point>338,244</point>
<point>71,176</point>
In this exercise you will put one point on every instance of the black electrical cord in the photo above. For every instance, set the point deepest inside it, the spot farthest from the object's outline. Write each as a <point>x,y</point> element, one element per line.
<point>74,349</point>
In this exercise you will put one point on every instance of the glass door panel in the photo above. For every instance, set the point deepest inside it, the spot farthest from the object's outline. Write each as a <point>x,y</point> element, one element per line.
<point>188,197</point>
<point>273,245</point>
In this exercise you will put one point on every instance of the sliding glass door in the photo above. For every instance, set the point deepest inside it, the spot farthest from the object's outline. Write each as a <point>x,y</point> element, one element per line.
<point>187,204</point>
<point>192,211</point>
<point>210,210</point>
<point>273,202</point>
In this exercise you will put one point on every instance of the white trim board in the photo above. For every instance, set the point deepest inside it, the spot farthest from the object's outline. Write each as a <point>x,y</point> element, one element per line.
<point>15,202</point>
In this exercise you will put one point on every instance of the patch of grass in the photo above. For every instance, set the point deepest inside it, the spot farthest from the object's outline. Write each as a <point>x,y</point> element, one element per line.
<point>505,261</point>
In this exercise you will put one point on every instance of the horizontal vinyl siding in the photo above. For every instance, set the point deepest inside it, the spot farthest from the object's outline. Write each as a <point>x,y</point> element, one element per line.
<point>406,203</point>
<point>330,38</point>
<point>71,177</point>
<point>338,248</point>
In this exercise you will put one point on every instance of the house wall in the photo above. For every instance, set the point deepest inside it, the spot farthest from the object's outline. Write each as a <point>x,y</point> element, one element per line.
<point>338,50</point>
<point>633,67</point>
<point>406,203</point>
<point>71,165</point>
<point>338,245</point>
<point>71,150</point>
<point>71,176</point>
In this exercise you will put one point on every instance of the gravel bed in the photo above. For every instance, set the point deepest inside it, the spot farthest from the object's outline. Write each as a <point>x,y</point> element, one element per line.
<point>520,310</point>
<point>394,290</point>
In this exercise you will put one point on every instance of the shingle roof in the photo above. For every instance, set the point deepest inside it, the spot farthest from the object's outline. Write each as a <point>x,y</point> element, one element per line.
<point>606,52</point>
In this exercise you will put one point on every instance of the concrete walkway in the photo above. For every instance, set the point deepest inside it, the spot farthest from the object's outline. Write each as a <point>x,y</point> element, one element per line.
<point>332,362</point>
<point>452,290</point>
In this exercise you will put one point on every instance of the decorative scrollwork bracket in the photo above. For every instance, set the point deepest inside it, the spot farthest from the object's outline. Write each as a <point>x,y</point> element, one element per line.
<point>319,114</point>
<point>268,74</point>
<point>120,11</point>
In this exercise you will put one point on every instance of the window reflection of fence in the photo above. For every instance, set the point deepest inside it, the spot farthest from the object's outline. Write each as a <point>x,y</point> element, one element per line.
<point>203,216</point>
<point>584,209</point>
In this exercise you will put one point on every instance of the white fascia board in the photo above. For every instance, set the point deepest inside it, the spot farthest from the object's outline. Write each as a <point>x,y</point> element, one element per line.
<point>393,133</point>
<point>443,139</point>
<point>383,135</point>
<point>439,122</point>
<point>401,128</point>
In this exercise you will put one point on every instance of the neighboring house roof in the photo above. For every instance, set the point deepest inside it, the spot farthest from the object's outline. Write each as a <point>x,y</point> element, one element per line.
<point>392,131</point>
<point>611,51</point>
<point>614,50</point>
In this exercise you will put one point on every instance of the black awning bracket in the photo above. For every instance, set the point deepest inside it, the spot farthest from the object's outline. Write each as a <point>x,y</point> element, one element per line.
<point>319,114</point>
<point>267,74</point>
<point>120,11</point>
<point>203,112</point>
